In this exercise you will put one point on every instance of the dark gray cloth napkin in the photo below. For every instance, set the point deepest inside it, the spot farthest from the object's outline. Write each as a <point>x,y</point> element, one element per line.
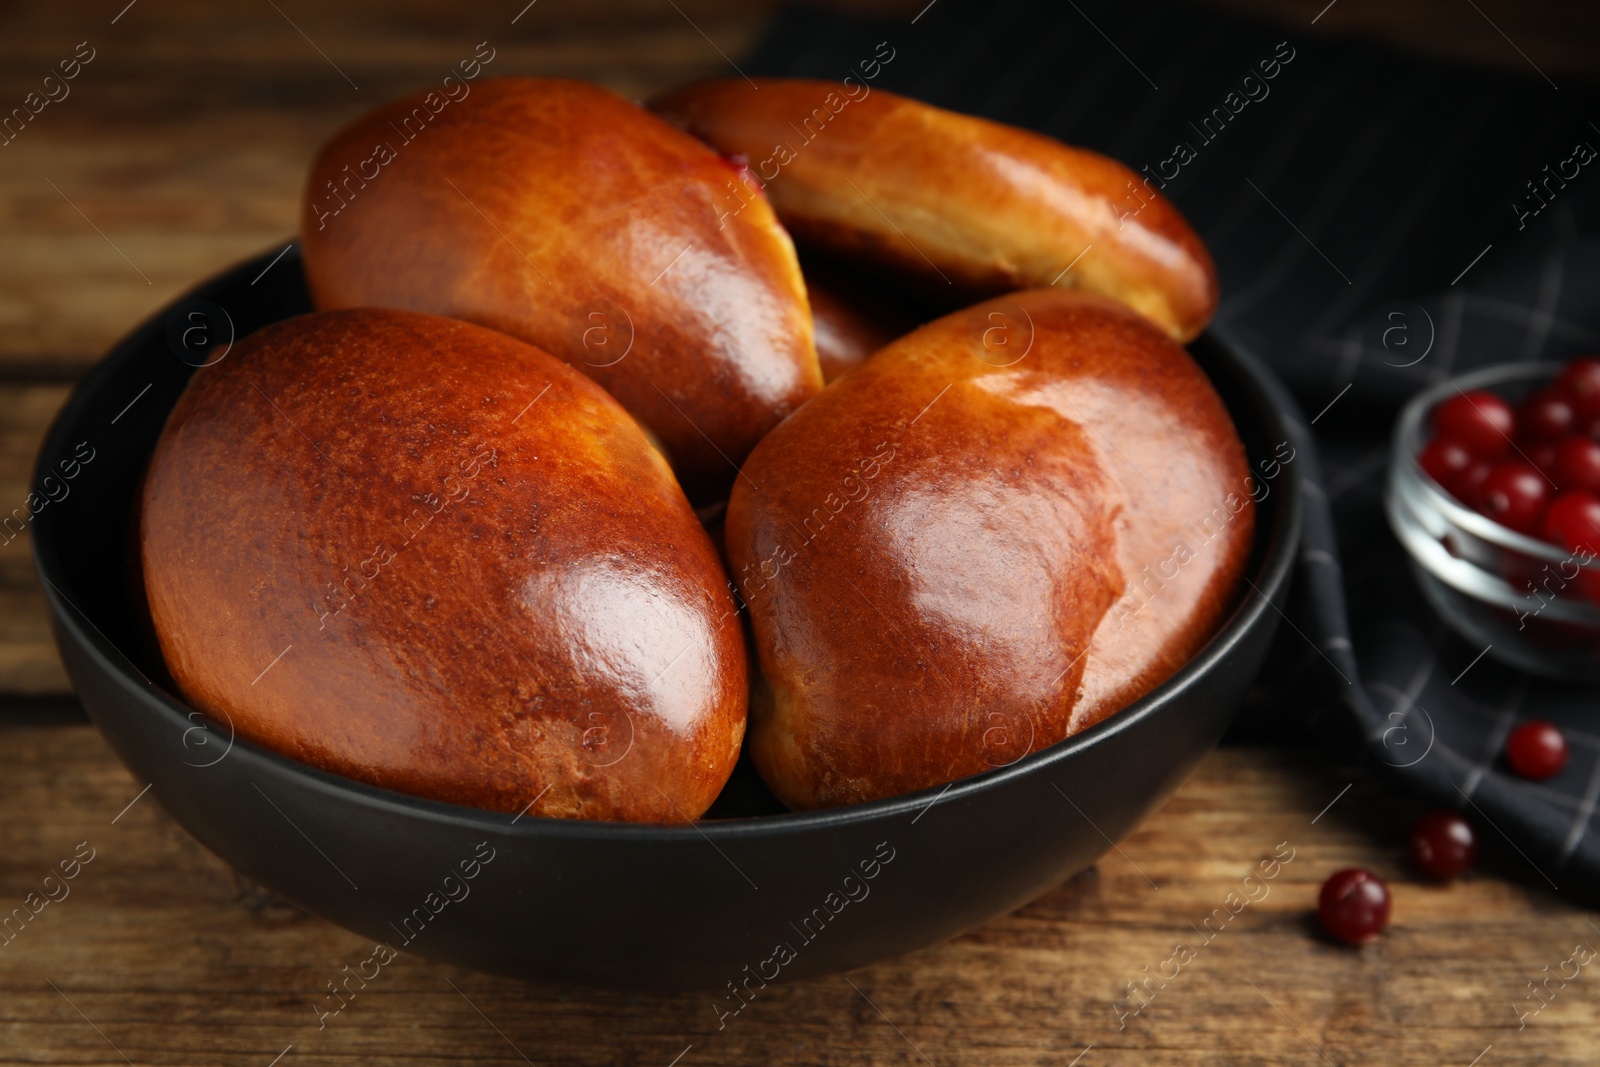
<point>1338,184</point>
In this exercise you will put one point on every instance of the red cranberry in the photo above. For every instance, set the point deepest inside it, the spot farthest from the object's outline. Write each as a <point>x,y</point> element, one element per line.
<point>1471,491</point>
<point>1443,845</point>
<point>1573,522</point>
<point>1542,454</point>
<point>1481,421</point>
<point>1354,906</point>
<point>1447,462</point>
<point>1579,382</point>
<point>1537,750</point>
<point>1545,416</point>
<point>1514,494</point>
<point>1577,464</point>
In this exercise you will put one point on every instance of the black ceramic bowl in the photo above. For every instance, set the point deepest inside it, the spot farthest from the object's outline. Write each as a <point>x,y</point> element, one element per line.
<point>604,903</point>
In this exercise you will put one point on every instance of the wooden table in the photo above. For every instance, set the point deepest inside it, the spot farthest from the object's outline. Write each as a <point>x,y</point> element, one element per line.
<point>179,151</point>
<point>163,952</point>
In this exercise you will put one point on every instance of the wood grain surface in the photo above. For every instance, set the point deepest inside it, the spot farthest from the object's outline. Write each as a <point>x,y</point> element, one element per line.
<point>173,959</point>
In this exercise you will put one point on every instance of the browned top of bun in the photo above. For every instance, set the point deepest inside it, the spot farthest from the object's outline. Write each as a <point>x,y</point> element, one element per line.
<point>562,214</point>
<point>961,200</point>
<point>424,555</point>
<point>935,550</point>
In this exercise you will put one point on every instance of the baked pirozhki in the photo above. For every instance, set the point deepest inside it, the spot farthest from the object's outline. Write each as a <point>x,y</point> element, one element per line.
<point>427,556</point>
<point>457,556</point>
<point>998,530</point>
<point>564,215</point>
<point>966,204</point>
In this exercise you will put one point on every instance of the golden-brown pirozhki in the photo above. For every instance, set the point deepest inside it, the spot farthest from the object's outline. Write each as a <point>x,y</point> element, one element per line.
<point>997,531</point>
<point>976,205</point>
<point>566,216</point>
<point>429,557</point>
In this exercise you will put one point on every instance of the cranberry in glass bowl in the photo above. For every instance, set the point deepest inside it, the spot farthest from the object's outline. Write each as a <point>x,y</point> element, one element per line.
<point>1574,464</point>
<point>1506,548</point>
<point>1547,415</point>
<point>1515,493</point>
<point>1580,380</point>
<point>1480,420</point>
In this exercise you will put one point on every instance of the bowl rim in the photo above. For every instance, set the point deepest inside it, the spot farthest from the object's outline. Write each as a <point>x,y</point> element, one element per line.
<point>1471,579</point>
<point>1268,401</point>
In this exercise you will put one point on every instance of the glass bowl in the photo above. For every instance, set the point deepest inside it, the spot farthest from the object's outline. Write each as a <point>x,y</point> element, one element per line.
<point>1520,597</point>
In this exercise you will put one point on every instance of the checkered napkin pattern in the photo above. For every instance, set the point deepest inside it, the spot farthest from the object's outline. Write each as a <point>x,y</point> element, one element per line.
<point>1339,184</point>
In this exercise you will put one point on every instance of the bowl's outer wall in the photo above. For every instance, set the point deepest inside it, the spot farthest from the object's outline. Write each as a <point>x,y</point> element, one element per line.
<point>610,904</point>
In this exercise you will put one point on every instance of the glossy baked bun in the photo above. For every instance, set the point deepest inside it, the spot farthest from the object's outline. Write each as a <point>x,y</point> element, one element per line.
<point>965,202</point>
<point>998,530</point>
<point>562,214</point>
<point>427,556</point>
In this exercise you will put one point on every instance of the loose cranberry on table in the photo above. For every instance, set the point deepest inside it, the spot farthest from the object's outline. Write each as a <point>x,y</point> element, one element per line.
<point>1443,845</point>
<point>1579,382</point>
<point>1577,464</point>
<point>1514,494</point>
<point>1546,416</point>
<point>1481,421</point>
<point>1354,906</point>
<point>1537,750</point>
